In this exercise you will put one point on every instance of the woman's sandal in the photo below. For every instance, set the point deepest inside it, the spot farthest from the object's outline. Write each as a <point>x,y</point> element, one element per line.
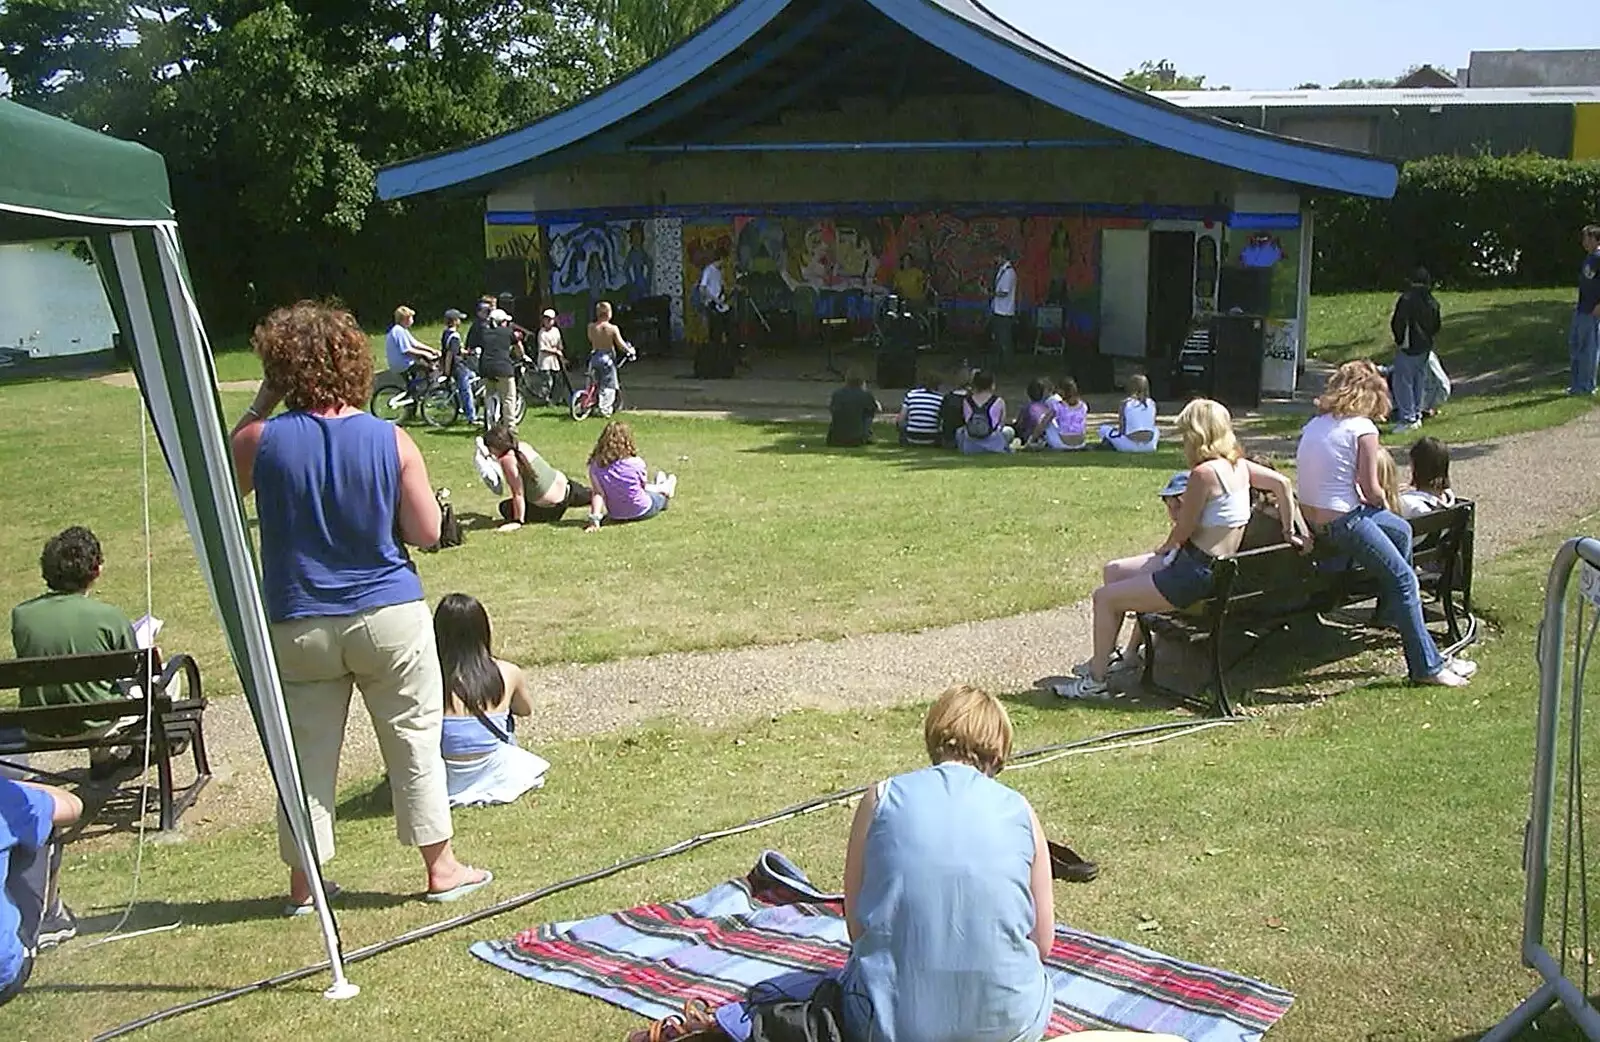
<point>695,1024</point>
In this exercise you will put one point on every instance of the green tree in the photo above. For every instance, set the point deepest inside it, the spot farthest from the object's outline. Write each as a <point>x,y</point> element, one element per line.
<point>643,30</point>
<point>1161,75</point>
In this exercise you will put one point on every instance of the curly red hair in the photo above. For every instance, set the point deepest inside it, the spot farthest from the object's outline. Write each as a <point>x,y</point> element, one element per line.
<point>615,443</point>
<point>316,354</point>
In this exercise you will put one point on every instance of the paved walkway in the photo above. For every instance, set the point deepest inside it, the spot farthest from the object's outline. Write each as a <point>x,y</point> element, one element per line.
<point>1525,485</point>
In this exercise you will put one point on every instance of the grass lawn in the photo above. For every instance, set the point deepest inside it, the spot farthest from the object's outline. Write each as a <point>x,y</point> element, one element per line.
<point>1505,350</point>
<point>1364,853</point>
<point>773,537</point>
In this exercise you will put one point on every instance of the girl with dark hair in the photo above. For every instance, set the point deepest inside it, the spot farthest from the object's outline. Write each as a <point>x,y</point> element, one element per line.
<point>483,696</point>
<point>536,490</point>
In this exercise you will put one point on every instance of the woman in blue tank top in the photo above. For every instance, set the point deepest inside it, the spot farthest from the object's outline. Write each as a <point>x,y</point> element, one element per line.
<point>337,492</point>
<point>947,893</point>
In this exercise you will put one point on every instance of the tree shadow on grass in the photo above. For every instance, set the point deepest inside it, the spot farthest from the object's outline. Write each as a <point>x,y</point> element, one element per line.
<point>1305,663</point>
<point>806,439</point>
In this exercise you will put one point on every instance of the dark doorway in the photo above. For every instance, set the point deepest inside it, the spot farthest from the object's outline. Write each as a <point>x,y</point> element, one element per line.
<point>1171,303</point>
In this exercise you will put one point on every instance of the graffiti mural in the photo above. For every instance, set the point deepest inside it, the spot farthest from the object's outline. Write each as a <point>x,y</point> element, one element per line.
<point>514,253</point>
<point>598,260</point>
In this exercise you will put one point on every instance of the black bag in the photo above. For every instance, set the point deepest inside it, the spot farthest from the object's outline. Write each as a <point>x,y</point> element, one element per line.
<point>816,1019</point>
<point>450,533</point>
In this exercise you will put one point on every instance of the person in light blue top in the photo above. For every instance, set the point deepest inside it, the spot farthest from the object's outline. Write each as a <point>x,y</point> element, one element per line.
<point>483,696</point>
<point>947,893</point>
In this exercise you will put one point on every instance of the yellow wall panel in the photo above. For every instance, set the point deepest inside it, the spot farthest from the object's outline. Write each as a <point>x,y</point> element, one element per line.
<point>1586,132</point>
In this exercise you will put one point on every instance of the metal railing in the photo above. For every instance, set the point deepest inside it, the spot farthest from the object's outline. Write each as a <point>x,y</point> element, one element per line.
<point>1563,670</point>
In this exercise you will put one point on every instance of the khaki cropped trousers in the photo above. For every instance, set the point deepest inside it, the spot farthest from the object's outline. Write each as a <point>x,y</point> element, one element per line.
<point>388,653</point>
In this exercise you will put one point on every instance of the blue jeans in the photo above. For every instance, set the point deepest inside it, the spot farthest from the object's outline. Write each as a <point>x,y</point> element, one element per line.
<point>464,392</point>
<point>1407,381</point>
<point>1380,542</point>
<point>1583,339</point>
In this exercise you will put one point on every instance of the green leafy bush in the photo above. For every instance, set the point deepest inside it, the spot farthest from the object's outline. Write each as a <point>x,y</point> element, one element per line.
<point>1482,222</point>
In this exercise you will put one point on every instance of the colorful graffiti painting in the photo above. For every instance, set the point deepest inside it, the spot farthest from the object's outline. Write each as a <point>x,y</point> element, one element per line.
<point>597,260</point>
<point>515,253</point>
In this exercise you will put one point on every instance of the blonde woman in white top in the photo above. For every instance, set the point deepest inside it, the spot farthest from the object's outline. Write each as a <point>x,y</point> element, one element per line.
<point>1209,523</point>
<point>1135,429</point>
<point>1342,495</point>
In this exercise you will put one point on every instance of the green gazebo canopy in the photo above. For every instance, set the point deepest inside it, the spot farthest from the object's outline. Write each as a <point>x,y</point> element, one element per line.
<point>58,181</point>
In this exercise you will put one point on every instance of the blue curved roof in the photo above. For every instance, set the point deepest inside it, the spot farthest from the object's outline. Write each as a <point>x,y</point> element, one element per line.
<point>963,29</point>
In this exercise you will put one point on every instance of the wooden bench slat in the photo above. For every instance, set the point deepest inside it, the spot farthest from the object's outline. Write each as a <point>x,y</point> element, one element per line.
<point>77,669</point>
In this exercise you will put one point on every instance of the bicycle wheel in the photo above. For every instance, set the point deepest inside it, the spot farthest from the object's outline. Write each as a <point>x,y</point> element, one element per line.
<point>390,402</point>
<point>582,404</point>
<point>441,406</point>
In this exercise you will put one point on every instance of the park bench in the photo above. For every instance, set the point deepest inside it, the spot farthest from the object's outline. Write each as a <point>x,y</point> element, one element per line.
<point>1260,592</point>
<point>169,724</point>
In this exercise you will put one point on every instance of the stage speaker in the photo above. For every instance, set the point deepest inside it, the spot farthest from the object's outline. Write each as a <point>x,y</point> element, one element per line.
<point>1247,290</point>
<point>1237,344</point>
<point>897,368</point>
<point>715,362</point>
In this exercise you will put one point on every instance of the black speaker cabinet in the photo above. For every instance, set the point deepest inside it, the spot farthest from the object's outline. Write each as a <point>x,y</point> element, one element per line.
<point>715,362</point>
<point>1237,344</point>
<point>897,368</point>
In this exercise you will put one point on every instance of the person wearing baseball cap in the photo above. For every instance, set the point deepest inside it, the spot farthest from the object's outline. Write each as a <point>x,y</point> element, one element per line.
<point>1209,508</point>
<point>455,366</point>
<point>550,357</point>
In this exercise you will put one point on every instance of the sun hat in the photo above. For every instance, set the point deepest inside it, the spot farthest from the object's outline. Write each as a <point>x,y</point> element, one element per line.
<point>549,312</point>
<point>453,314</point>
<point>499,316</point>
<point>1176,485</point>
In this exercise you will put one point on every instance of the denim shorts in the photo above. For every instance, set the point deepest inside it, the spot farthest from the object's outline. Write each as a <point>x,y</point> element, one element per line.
<point>1187,580</point>
<point>658,503</point>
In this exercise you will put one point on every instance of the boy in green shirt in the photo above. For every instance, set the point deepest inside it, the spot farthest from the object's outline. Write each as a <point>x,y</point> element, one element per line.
<point>65,620</point>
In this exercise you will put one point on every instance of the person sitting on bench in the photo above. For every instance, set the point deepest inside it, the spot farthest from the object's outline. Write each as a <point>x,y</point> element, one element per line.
<point>1337,467</point>
<point>1430,479</point>
<point>1210,524</point>
<point>65,620</point>
<point>31,914</point>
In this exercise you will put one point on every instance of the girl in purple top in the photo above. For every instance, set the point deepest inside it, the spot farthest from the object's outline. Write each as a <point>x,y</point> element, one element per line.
<point>623,490</point>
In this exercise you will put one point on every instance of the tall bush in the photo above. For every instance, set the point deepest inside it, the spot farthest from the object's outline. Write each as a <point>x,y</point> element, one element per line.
<point>1481,222</point>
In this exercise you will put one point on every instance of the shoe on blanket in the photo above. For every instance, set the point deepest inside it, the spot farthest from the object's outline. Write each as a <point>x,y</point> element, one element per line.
<point>1067,866</point>
<point>695,1024</point>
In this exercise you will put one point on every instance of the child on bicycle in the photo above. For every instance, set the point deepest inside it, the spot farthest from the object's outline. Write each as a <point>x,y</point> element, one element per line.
<point>605,341</point>
<point>623,490</point>
<point>407,355</point>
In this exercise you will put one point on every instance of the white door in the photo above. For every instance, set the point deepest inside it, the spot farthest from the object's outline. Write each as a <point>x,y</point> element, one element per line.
<point>1124,291</point>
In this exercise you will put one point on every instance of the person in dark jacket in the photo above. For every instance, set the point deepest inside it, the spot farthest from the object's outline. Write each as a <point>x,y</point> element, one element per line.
<point>1415,324</point>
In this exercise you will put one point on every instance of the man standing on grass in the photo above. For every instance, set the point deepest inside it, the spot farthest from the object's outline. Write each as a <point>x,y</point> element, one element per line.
<point>1415,323</point>
<point>1583,339</point>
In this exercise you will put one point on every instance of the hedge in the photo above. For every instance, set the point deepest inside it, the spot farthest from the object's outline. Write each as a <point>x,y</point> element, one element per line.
<point>1482,222</point>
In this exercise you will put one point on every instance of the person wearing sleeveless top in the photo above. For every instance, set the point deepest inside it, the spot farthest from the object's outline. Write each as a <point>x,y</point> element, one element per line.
<point>947,893</point>
<point>1135,429</point>
<point>337,492</point>
<point>1337,466</point>
<point>483,697</point>
<point>1209,523</point>
<point>983,418</point>
<point>537,490</point>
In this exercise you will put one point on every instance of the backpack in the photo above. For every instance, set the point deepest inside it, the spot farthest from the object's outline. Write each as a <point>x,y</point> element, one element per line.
<point>450,533</point>
<point>781,1019</point>
<point>980,424</point>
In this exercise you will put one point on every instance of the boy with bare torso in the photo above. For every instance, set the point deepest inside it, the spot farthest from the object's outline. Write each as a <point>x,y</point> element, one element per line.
<point>605,341</point>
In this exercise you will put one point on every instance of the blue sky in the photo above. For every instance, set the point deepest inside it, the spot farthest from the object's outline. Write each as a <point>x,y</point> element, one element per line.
<point>1264,44</point>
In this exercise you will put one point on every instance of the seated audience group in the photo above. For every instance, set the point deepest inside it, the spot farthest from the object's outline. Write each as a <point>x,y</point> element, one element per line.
<point>972,418</point>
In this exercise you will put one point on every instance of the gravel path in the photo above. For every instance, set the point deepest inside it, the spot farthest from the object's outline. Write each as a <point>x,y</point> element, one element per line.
<point>1524,485</point>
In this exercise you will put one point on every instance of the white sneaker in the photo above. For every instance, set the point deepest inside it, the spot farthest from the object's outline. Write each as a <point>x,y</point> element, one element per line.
<point>661,477</point>
<point>1403,428</point>
<point>671,486</point>
<point>1446,677</point>
<point>1461,667</point>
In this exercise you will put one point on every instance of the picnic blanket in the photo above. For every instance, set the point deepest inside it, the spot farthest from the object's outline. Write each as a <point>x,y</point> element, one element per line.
<point>773,922</point>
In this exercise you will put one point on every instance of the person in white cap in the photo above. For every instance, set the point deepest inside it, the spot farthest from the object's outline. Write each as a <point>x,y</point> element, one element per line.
<point>498,368</point>
<point>550,359</point>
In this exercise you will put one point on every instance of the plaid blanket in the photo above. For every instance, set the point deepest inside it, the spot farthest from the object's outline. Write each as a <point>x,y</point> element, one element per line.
<point>773,922</point>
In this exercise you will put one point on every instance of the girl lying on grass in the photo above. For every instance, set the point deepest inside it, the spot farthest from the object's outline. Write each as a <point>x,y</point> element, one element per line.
<point>1210,523</point>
